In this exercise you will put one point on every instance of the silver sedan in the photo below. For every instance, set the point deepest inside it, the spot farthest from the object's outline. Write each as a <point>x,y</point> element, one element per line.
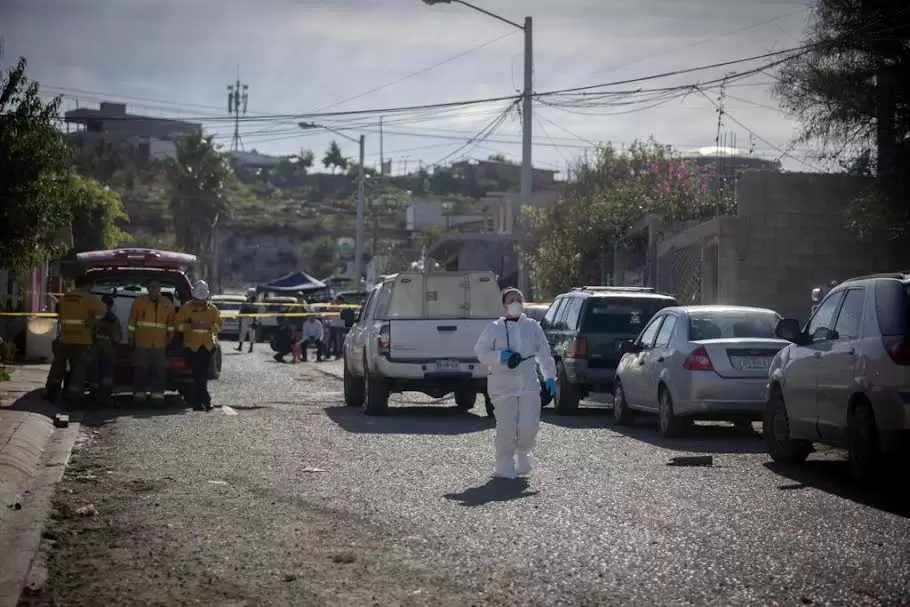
<point>698,362</point>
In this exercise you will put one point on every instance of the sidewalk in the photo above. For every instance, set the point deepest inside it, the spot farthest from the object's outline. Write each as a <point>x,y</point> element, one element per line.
<point>26,426</point>
<point>30,466</point>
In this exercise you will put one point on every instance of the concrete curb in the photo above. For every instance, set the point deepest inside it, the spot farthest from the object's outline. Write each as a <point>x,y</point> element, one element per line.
<point>27,439</point>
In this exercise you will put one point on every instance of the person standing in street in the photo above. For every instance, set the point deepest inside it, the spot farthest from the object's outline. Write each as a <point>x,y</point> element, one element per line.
<point>313,332</point>
<point>108,335</point>
<point>336,331</point>
<point>248,324</point>
<point>200,321</point>
<point>77,313</point>
<point>151,327</point>
<point>510,346</point>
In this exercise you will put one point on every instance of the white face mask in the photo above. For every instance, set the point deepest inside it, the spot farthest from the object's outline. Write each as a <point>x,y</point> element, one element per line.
<point>514,309</point>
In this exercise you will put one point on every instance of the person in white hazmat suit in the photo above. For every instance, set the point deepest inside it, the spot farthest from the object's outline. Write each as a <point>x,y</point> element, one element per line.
<point>512,347</point>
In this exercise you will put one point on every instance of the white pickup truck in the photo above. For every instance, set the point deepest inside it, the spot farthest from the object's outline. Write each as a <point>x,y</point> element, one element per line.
<point>416,332</point>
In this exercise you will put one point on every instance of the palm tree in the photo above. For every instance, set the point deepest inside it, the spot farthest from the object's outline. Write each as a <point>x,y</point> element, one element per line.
<point>198,177</point>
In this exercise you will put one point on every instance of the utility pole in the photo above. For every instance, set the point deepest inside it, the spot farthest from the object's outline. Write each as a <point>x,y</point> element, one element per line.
<point>237,100</point>
<point>358,233</point>
<point>513,211</point>
<point>381,156</point>
<point>527,171</point>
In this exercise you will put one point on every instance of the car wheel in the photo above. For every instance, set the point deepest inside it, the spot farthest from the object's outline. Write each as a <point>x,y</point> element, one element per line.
<point>776,430</point>
<point>668,422</point>
<point>376,394</point>
<point>354,388</point>
<point>622,414</point>
<point>465,399</point>
<point>215,365</point>
<point>863,452</point>
<point>567,396</point>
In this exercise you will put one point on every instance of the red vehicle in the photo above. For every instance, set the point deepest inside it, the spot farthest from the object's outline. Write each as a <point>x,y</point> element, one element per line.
<point>125,274</point>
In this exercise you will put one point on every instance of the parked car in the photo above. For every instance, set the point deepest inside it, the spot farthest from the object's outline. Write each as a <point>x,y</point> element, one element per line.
<point>586,327</point>
<point>844,378</point>
<point>698,362</point>
<point>417,332</point>
<point>125,274</point>
<point>230,304</point>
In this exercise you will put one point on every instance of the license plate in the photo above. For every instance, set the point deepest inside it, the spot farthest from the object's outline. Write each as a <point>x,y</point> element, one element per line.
<point>447,365</point>
<point>752,363</point>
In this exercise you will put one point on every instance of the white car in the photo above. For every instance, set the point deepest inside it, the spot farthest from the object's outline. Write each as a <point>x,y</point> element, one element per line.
<point>230,304</point>
<point>417,332</point>
<point>698,362</point>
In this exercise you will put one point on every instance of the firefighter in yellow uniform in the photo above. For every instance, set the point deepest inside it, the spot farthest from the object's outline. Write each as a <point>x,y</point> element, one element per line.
<point>151,327</point>
<point>77,313</point>
<point>200,321</point>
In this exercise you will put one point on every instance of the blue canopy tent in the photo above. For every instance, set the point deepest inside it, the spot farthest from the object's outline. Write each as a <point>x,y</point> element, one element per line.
<point>294,283</point>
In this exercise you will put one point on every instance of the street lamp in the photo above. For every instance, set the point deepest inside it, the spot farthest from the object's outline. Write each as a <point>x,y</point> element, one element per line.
<point>358,229</point>
<point>526,169</point>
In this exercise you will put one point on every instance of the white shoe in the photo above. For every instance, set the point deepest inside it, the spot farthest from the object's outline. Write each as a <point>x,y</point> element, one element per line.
<point>505,470</point>
<point>525,464</point>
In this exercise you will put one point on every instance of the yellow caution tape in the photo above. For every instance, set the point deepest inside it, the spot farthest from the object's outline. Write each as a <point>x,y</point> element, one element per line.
<point>31,314</point>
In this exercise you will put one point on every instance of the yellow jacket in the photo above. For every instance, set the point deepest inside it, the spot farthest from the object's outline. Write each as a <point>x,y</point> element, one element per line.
<point>151,323</point>
<point>199,321</point>
<point>77,312</point>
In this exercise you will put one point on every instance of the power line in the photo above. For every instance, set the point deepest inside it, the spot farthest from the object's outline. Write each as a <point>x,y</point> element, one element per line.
<point>487,100</point>
<point>482,135</point>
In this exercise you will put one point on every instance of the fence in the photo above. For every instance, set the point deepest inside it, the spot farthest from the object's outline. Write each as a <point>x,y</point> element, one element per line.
<point>688,264</point>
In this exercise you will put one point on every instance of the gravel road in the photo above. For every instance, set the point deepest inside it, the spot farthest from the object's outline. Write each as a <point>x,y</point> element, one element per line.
<point>287,497</point>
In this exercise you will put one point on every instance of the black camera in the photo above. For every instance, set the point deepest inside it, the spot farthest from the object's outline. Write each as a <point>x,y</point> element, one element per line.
<point>514,360</point>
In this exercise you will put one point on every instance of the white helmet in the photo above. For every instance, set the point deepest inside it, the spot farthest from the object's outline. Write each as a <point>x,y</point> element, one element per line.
<point>201,290</point>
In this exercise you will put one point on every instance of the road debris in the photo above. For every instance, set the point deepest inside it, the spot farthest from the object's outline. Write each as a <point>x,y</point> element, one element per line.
<point>691,460</point>
<point>87,510</point>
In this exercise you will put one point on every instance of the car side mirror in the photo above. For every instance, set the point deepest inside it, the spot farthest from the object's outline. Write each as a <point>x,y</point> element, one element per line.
<point>357,316</point>
<point>816,295</point>
<point>789,329</point>
<point>628,347</point>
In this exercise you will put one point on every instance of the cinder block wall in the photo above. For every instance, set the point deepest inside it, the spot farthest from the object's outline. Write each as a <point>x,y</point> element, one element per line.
<point>791,237</point>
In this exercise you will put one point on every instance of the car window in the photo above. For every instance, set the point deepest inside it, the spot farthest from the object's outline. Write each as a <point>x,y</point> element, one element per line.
<point>666,332</point>
<point>731,323</point>
<point>646,339</point>
<point>892,306</point>
<point>621,315</point>
<point>369,305</point>
<point>572,312</point>
<point>561,315</point>
<point>550,318</point>
<point>823,319</point>
<point>851,314</point>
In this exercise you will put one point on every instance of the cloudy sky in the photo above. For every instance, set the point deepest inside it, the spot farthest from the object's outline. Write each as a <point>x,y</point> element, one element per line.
<point>176,57</point>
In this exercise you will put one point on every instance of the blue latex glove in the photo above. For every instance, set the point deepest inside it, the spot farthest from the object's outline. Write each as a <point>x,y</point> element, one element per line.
<point>551,386</point>
<point>504,355</point>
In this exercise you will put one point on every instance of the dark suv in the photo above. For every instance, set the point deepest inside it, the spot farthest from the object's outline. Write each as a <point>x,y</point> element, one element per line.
<point>586,328</point>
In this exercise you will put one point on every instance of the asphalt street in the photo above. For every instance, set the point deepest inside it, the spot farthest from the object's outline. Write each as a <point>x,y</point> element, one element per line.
<point>285,496</point>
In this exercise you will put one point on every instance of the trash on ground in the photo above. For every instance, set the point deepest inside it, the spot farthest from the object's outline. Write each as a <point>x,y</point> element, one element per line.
<point>87,510</point>
<point>311,470</point>
<point>218,482</point>
<point>691,460</point>
<point>85,478</point>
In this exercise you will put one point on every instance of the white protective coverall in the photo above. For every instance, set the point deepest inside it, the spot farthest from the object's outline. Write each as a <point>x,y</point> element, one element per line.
<point>515,392</point>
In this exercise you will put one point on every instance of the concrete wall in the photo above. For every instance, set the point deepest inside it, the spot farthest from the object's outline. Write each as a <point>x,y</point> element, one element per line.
<point>788,236</point>
<point>792,237</point>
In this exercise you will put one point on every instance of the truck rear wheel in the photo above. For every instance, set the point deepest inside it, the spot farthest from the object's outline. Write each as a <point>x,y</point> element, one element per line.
<point>376,397</point>
<point>354,388</point>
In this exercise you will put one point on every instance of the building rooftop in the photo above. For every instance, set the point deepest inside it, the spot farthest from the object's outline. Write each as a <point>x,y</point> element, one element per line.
<point>117,112</point>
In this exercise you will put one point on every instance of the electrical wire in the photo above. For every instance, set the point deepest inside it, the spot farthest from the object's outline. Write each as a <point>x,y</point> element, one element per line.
<point>482,135</point>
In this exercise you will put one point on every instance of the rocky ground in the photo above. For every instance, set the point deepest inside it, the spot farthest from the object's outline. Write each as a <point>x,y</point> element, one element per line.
<point>284,496</point>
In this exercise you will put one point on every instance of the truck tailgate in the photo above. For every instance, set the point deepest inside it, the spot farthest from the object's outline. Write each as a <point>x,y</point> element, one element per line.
<point>435,339</point>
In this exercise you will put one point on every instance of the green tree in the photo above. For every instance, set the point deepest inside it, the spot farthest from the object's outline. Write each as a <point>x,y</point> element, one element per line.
<point>334,158</point>
<point>304,162</point>
<point>318,255</point>
<point>848,91</point>
<point>199,179</point>
<point>607,194</point>
<point>96,211</point>
<point>35,164</point>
